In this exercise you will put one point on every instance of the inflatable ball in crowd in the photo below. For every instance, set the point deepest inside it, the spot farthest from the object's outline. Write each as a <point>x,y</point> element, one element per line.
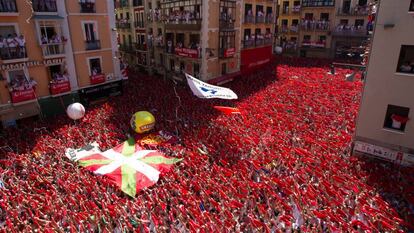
<point>142,122</point>
<point>75,111</point>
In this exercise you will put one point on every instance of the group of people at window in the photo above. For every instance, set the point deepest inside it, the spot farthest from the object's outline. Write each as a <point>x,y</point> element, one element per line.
<point>54,39</point>
<point>289,44</point>
<point>12,46</point>
<point>44,5</point>
<point>226,15</point>
<point>21,83</point>
<point>60,77</point>
<point>407,67</point>
<point>312,24</point>
<point>259,14</point>
<point>154,15</point>
<point>183,16</point>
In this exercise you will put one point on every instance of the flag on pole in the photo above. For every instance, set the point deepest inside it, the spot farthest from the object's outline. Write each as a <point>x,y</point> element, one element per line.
<point>129,166</point>
<point>207,91</point>
<point>228,110</point>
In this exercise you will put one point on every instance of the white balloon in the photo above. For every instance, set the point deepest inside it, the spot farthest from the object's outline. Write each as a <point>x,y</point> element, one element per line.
<point>75,111</point>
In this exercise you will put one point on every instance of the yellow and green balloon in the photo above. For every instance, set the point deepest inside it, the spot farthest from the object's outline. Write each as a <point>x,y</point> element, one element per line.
<point>142,122</point>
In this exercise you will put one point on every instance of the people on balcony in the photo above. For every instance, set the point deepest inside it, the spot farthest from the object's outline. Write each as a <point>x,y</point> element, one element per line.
<point>311,24</point>
<point>12,46</point>
<point>183,16</point>
<point>407,67</point>
<point>346,27</point>
<point>20,83</point>
<point>60,77</point>
<point>8,6</point>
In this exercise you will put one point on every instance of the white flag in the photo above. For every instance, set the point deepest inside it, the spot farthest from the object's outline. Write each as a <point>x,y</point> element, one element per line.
<point>76,154</point>
<point>208,91</point>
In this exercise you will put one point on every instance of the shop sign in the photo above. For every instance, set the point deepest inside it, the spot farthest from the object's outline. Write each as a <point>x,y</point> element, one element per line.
<point>21,65</point>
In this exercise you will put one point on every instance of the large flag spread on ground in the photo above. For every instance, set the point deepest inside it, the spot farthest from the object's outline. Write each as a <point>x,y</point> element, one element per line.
<point>129,166</point>
<point>208,91</point>
<point>228,110</point>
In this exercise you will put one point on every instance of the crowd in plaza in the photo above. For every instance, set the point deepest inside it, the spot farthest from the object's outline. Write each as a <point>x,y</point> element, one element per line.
<point>284,165</point>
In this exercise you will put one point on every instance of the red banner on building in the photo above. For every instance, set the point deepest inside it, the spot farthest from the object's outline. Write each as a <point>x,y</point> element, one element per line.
<point>21,96</point>
<point>97,79</point>
<point>252,59</point>
<point>59,87</point>
<point>184,52</point>
<point>229,52</point>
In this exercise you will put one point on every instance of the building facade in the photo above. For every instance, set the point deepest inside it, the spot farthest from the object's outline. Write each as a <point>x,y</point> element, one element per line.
<point>203,38</point>
<point>385,127</point>
<point>326,29</point>
<point>52,52</point>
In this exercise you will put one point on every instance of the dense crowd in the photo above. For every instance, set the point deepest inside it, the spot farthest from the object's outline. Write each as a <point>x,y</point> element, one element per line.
<point>284,165</point>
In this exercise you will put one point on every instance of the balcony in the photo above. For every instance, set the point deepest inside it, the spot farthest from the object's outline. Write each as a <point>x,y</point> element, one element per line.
<point>140,47</point>
<point>13,53</point>
<point>296,9</point>
<point>227,52</point>
<point>137,3</point>
<point>44,6</point>
<point>183,20</point>
<point>8,6</point>
<point>355,11</point>
<point>269,19</point>
<point>315,25</point>
<point>285,11</point>
<point>226,24</point>
<point>123,24</point>
<point>294,29</point>
<point>53,49</point>
<point>260,19</point>
<point>187,52</point>
<point>258,42</point>
<point>22,94</point>
<point>59,86</point>
<point>87,7</point>
<point>248,19</point>
<point>313,44</point>
<point>93,45</point>
<point>97,79</point>
<point>139,24</point>
<point>350,31</point>
<point>318,3</point>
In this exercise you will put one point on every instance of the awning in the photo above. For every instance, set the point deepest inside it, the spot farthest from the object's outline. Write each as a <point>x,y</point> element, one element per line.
<point>225,78</point>
<point>47,17</point>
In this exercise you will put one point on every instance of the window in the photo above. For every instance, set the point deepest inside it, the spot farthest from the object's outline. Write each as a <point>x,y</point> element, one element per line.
<point>411,6</point>
<point>359,23</point>
<point>295,22</point>
<point>248,9</point>
<point>95,66</point>
<point>325,16</point>
<point>223,68</point>
<point>90,31</point>
<point>285,22</point>
<point>406,60</point>
<point>18,80</point>
<point>396,117</point>
<point>227,39</point>
<point>309,16</point>
<point>322,38</point>
<point>227,10</point>
<point>306,38</point>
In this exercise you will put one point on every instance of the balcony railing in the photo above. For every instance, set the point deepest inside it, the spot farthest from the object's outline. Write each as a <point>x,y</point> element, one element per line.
<point>13,53</point>
<point>139,24</point>
<point>269,19</point>
<point>44,5</point>
<point>8,6</point>
<point>123,24</point>
<point>53,49</point>
<point>266,40</point>
<point>295,9</point>
<point>141,47</point>
<point>260,19</point>
<point>358,10</point>
<point>248,19</point>
<point>294,28</point>
<point>318,3</point>
<point>93,44</point>
<point>87,7</point>
<point>315,25</point>
<point>226,24</point>
<point>351,31</point>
